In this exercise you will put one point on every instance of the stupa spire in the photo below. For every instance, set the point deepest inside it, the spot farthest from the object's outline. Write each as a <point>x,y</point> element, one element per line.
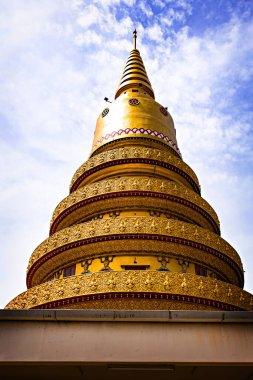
<point>134,232</point>
<point>134,74</point>
<point>135,38</point>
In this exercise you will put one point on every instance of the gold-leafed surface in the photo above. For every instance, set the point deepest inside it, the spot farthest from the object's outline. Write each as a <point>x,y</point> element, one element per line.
<point>131,225</point>
<point>134,232</point>
<point>120,262</point>
<point>175,167</point>
<point>133,281</point>
<point>137,304</point>
<point>135,115</point>
<point>134,75</point>
<point>183,200</point>
<point>122,247</point>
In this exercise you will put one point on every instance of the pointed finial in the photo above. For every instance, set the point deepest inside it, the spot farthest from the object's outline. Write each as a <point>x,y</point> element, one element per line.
<point>134,75</point>
<point>134,37</point>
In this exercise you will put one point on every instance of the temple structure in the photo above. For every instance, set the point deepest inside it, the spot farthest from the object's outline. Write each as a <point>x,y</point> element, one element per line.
<point>134,233</point>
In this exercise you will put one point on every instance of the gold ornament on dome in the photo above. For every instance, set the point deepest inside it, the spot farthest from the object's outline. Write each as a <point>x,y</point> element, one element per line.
<point>133,102</point>
<point>105,112</point>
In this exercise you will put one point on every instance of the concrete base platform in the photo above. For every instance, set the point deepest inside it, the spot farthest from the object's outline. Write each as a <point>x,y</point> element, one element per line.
<point>107,344</point>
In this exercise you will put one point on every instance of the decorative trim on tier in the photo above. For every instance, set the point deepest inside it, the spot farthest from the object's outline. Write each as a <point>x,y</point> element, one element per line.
<point>135,186</point>
<point>147,228</point>
<point>131,296</point>
<point>132,139</point>
<point>136,131</point>
<point>143,284</point>
<point>133,154</point>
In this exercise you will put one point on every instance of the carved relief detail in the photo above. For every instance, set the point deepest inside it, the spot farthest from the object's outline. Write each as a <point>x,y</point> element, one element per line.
<point>133,152</point>
<point>135,225</point>
<point>134,281</point>
<point>142,183</point>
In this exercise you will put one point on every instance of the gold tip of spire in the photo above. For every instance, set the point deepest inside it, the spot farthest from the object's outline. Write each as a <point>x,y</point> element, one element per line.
<point>135,38</point>
<point>134,75</point>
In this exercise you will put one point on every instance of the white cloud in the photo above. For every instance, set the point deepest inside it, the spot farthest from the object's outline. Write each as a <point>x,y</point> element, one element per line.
<point>89,16</point>
<point>146,9</point>
<point>159,3</point>
<point>88,38</point>
<point>155,33</point>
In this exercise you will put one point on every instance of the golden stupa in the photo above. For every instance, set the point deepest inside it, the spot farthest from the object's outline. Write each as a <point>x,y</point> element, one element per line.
<point>134,232</point>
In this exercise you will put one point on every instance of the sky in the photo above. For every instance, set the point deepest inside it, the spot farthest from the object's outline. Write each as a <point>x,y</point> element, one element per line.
<point>59,59</point>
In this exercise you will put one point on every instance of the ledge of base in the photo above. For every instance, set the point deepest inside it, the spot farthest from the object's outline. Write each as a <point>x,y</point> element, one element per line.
<point>174,316</point>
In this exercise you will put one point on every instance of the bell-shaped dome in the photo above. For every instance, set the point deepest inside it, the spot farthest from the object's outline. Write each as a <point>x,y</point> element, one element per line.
<point>135,114</point>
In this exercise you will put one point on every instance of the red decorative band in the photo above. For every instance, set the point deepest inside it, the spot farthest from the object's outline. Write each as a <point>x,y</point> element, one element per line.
<point>98,239</point>
<point>133,138</point>
<point>136,131</point>
<point>134,161</point>
<point>122,194</point>
<point>139,295</point>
